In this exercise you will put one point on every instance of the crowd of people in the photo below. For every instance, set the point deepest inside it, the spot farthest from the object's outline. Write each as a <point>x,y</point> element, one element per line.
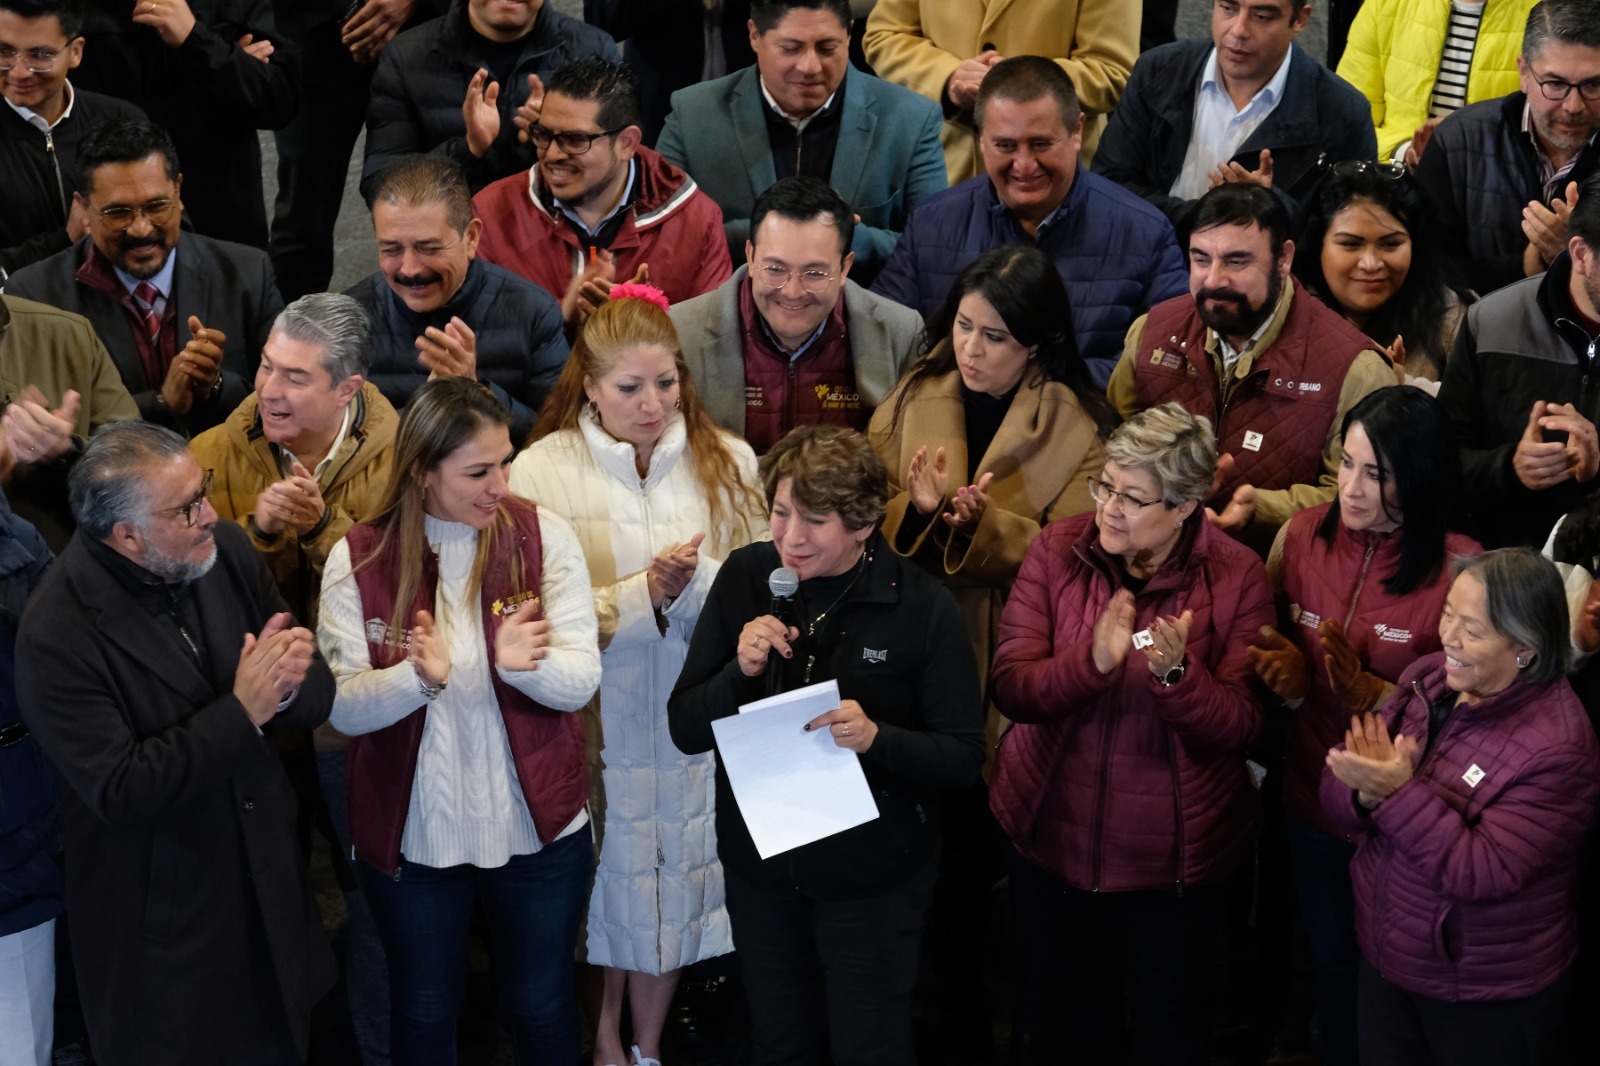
<point>1182,461</point>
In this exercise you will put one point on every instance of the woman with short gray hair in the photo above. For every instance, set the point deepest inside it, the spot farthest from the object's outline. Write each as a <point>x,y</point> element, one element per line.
<point>1470,825</point>
<point>1123,787</point>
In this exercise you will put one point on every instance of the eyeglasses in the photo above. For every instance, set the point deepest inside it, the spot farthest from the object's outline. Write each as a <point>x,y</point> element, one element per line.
<point>1557,88</point>
<point>34,60</point>
<point>776,277</point>
<point>193,508</point>
<point>121,216</point>
<point>1102,493</point>
<point>1349,168</point>
<point>572,143</point>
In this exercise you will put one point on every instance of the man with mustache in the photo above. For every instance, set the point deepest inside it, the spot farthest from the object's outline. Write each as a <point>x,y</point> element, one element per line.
<point>1271,366</point>
<point>182,316</point>
<point>439,311</point>
<point>154,666</point>
<point>1503,175</point>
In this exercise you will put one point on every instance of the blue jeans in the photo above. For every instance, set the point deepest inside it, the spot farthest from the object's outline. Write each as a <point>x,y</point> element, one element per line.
<point>533,905</point>
<point>1328,912</point>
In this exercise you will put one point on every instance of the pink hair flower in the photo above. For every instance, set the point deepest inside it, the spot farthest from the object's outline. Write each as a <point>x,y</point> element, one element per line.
<point>640,292</point>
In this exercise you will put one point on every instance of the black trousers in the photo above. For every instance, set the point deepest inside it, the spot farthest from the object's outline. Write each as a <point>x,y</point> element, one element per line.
<point>829,981</point>
<point>314,158</point>
<point>1085,961</point>
<point>1398,1028</point>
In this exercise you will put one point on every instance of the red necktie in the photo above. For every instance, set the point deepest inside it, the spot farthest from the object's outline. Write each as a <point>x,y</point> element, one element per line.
<point>145,296</point>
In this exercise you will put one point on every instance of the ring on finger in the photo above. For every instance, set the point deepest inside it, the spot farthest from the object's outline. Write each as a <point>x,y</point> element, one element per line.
<point>845,731</point>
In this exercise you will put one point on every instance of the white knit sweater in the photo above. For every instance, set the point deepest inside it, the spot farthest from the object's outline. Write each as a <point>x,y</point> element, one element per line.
<point>466,804</point>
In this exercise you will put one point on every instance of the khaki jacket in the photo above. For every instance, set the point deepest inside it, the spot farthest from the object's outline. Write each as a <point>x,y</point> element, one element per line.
<point>919,44</point>
<point>1042,457</point>
<point>244,463</point>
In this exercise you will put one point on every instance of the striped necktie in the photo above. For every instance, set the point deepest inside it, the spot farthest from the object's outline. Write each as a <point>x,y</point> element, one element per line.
<point>145,296</point>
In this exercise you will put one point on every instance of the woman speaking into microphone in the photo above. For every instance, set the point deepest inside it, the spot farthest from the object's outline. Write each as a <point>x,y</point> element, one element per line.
<point>832,930</point>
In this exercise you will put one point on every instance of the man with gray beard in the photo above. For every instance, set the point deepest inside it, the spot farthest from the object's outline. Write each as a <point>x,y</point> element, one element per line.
<point>155,661</point>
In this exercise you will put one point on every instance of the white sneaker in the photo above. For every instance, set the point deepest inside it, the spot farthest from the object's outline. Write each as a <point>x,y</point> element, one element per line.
<point>640,1060</point>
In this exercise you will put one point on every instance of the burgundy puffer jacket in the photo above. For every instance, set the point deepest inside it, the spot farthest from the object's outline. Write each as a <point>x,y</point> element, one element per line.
<point>1343,581</point>
<point>1465,878</point>
<point>1116,783</point>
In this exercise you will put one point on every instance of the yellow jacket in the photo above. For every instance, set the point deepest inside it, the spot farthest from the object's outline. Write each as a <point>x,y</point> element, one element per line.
<point>1393,59</point>
<point>244,463</point>
<point>919,44</point>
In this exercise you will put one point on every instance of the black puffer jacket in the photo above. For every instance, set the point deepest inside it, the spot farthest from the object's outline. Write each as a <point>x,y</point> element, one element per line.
<point>30,819</point>
<point>520,345</point>
<point>897,646</point>
<point>39,173</point>
<point>1478,173</point>
<point>422,79</point>
<point>1517,346</point>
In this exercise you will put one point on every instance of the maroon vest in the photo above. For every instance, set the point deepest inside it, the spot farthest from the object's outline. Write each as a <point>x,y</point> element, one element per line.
<point>1277,419</point>
<point>780,393</point>
<point>546,745</point>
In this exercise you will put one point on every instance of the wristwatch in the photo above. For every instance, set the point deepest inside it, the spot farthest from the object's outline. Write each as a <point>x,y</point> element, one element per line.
<point>1171,677</point>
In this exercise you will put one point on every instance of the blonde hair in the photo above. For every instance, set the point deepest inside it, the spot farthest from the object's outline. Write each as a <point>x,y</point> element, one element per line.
<point>616,327</point>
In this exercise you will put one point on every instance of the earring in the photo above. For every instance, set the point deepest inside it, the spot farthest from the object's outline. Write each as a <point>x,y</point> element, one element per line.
<point>593,408</point>
<point>677,405</point>
<point>1522,662</point>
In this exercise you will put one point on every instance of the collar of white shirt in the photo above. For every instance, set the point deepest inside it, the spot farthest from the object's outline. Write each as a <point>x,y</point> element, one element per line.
<point>804,120</point>
<point>1268,95</point>
<point>33,118</point>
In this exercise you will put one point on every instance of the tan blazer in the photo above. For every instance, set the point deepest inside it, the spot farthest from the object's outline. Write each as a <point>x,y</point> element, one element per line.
<point>1041,458</point>
<point>919,44</point>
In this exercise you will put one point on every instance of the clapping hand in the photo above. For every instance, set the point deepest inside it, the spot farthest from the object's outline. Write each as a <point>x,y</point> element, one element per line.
<point>294,503</point>
<point>522,640</point>
<point>1239,512</point>
<point>33,432</point>
<point>1540,464</point>
<point>1370,763</point>
<point>272,665</point>
<point>451,352</point>
<point>481,112</point>
<point>428,653</point>
<point>527,113</point>
<point>962,88</point>
<point>669,572</point>
<point>195,371</point>
<point>1419,141</point>
<point>928,481</point>
<point>374,26</point>
<point>1280,665</point>
<point>1397,358</point>
<point>968,505</point>
<point>593,287</point>
<point>1113,632</point>
<point>1169,637</point>
<point>1546,227</point>
<point>1358,690</point>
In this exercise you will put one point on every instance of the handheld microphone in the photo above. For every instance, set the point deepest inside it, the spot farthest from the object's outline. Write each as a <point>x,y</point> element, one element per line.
<point>783,583</point>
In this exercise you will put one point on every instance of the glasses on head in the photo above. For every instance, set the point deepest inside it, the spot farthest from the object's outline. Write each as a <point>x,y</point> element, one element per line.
<point>776,277</point>
<point>572,143</point>
<point>1556,89</point>
<point>1349,168</point>
<point>34,60</point>
<point>192,509</point>
<point>1102,493</point>
<point>121,216</point>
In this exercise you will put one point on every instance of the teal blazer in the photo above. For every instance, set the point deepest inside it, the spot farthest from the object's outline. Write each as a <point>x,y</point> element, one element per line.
<point>887,159</point>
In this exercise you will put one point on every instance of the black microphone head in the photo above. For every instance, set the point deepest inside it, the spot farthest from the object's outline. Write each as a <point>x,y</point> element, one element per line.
<point>783,583</point>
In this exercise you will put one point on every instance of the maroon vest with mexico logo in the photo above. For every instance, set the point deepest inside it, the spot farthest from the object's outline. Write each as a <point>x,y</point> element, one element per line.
<point>1278,418</point>
<point>546,745</point>
<point>780,393</point>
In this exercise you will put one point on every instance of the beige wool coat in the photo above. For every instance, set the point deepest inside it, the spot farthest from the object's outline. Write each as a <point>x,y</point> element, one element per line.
<point>1042,456</point>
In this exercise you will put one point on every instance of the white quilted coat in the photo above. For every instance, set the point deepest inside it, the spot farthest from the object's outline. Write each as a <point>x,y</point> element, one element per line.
<point>658,894</point>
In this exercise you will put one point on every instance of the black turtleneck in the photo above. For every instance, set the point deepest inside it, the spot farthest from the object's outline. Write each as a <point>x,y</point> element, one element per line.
<point>983,414</point>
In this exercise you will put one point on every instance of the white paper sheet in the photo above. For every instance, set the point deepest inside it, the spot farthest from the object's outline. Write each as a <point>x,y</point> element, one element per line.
<point>793,787</point>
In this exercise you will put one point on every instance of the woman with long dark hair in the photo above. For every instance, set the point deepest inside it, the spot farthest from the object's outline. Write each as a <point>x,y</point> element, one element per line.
<point>1365,248</point>
<point>460,627</point>
<point>659,496</point>
<point>1360,581</point>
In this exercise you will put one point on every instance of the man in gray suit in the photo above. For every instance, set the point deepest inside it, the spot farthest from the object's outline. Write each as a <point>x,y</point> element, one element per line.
<point>802,110</point>
<point>789,339</point>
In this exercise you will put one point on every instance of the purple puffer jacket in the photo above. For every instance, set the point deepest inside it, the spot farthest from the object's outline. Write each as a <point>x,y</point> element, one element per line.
<point>1115,783</point>
<point>1465,878</point>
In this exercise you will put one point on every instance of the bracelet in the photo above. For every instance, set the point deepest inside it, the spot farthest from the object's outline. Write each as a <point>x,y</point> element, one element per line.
<point>430,691</point>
